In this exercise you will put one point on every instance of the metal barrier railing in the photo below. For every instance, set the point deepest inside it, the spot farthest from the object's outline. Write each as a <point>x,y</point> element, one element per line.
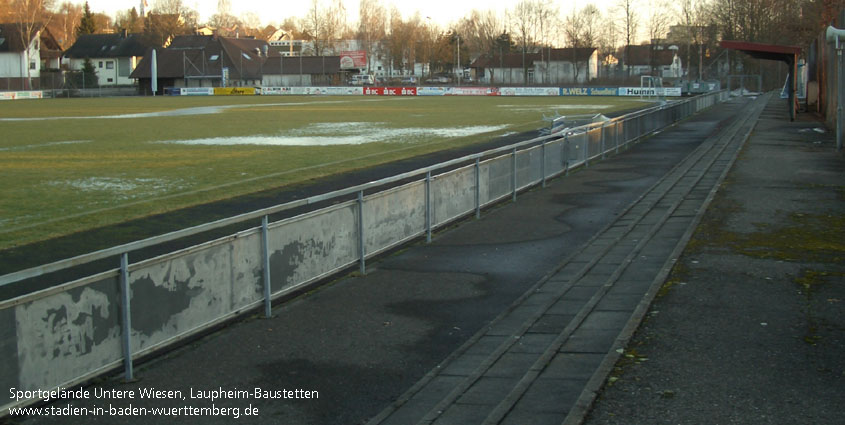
<point>67,334</point>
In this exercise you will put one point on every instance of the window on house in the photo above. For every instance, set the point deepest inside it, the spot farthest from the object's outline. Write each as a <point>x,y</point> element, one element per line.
<point>109,65</point>
<point>111,80</point>
<point>32,65</point>
<point>100,64</point>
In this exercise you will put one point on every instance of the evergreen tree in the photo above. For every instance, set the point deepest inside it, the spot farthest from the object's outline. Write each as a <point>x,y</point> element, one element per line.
<point>88,78</point>
<point>86,24</point>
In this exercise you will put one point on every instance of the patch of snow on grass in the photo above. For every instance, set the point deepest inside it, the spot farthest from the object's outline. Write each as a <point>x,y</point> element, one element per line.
<point>42,145</point>
<point>546,108</point>
<point>349,133</point>
<point>123,189</point>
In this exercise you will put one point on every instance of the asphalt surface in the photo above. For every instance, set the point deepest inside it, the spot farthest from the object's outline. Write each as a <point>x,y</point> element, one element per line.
<point>750,328</point>
<point>364,342</point>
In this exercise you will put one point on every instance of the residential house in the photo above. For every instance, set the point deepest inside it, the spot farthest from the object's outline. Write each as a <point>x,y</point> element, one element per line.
<point>114,56</point>
<point>205,61</point>
<point>377,62</point>
<point>555,66</point>
<point>571,65</point>
<point>284,71</point>
<point>652,60</point>
<point>506,69</point>
<point>21,61</point>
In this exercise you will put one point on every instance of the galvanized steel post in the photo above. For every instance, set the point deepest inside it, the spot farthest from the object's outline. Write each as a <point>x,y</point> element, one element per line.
<point>513,173</point>
<point>566,154</point>
<point>265,250</point>
<point>586,137</point>
<point>477,188</point>
<point>639,127</point>
<point>126,322</point>
<point>543,163</point>
<point>602,141</point>
<point>428,207</point>
<point>616,135</point>
<point>363,268</point>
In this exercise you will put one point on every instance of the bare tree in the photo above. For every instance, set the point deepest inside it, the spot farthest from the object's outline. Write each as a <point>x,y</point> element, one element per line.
<point>524,25</point>
<point>400,41</point>
<point>691,14</point>
<point>324,24</point>
<point>574,29</point>
<point>336,25</point>
<point>6,11</point>
<point>65,21</point>
<point>224,21</point>
<point>428,43</point>
<point>169,18</point>
<point>371,27</point>
<point>293,27</point>
<point>548,19</point>
<point>480,31</point>
<point>250,24</point>
<point>32,16</point>
<point>658,25</point>
<point>630,22</point>
<point>591,16</point>
<point>313,24</point>
<point>608,42</point>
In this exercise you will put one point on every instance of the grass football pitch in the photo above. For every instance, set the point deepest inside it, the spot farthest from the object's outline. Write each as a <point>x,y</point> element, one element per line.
<point>67,165</point>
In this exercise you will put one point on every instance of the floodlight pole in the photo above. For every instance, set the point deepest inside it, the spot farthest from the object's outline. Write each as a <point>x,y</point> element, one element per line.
<point>460,70</point>
<point>839,96</point>
<point>835,36</point>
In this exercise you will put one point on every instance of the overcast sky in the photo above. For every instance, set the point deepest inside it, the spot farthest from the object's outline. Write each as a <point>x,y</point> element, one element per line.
<point>441,12</point>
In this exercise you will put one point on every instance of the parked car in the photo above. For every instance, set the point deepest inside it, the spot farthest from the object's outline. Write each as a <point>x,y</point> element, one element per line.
<point>438,79</point>
<point>362,80</point>
<point>409,81</point>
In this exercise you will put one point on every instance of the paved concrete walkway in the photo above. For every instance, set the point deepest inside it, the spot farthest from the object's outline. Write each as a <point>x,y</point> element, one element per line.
<point>750,326</point>
<point>514,318</point>
<point>532,364</point>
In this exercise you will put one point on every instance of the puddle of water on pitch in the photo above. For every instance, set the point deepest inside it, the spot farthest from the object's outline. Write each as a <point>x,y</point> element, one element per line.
<point>349,133</point>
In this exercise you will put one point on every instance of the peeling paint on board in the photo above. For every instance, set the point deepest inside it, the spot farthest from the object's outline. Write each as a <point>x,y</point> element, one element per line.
<point>67,335</point>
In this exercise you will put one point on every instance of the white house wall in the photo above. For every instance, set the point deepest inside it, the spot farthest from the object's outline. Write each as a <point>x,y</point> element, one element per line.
<point>10,65</point>
<point>104,74</point>
<point>504,75</point>
<point>276,80</point>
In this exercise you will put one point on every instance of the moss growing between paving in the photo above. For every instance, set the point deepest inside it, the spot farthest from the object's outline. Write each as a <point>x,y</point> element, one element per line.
<point>818,238</point>
<point>679,274</point>
<point>811,281</point>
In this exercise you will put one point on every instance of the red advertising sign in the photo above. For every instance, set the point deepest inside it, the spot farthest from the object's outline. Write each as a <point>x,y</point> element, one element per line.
<point>353,59</point>
<point>390,91</point>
